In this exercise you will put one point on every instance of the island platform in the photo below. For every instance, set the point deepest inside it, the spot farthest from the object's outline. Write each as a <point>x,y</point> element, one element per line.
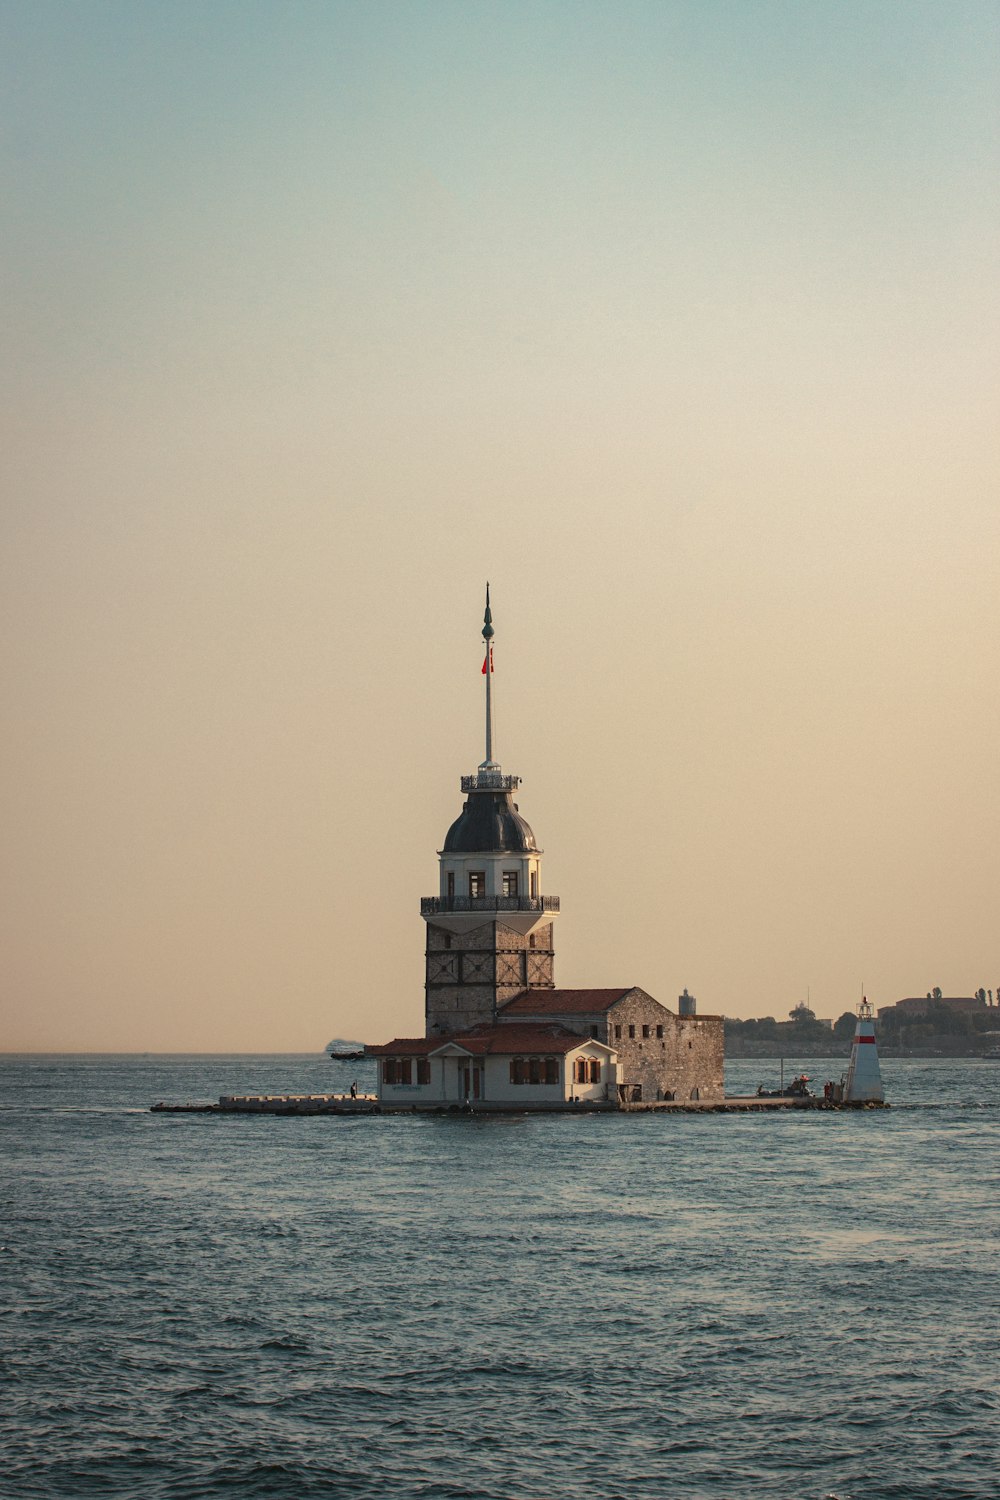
<point>369,1104</point>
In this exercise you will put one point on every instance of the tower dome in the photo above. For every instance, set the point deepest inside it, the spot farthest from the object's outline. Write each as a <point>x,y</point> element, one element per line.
<point>490,823</point>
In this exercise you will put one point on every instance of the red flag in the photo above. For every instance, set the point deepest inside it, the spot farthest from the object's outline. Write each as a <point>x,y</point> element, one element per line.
<point>488,660</point>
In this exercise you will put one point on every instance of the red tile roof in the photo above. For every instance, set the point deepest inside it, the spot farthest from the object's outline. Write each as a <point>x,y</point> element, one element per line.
<point>526,1038</point>
<point>484,1041</point>
<point>403,1046</point>
<point>562,1002</point>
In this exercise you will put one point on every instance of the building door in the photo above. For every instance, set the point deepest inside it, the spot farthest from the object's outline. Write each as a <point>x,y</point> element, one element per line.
<point>471,1080</point>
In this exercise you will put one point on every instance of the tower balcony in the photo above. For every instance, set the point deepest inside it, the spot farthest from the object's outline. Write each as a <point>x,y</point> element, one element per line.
<point>432,906</point>
<point>490,781</point>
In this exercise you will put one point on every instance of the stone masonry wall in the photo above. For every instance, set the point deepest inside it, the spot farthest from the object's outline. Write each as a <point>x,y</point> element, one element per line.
<point>696,1057</point>
<point>690,1054</point>
<point>457,1008</point>
<point>470,975</point>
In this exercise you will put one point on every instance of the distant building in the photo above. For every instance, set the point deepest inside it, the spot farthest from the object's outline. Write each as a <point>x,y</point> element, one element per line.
<point>497,1031</point>
<point>918,1005</point>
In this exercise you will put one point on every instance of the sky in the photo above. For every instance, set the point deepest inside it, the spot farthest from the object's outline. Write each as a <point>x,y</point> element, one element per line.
<point>677,321</point>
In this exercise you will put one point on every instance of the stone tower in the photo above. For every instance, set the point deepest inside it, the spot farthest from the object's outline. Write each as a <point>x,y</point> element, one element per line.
<point>489,928</point>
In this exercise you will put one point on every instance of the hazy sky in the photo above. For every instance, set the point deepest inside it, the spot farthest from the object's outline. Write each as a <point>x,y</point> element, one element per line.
<point>678,321</point>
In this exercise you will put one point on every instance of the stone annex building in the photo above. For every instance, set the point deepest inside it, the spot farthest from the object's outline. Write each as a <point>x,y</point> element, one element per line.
<point>498,1033</point>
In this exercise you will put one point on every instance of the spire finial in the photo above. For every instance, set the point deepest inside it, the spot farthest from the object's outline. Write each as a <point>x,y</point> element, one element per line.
<point>487,618</point>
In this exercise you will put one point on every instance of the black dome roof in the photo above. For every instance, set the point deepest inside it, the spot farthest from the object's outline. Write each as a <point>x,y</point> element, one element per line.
<point>489,823</point>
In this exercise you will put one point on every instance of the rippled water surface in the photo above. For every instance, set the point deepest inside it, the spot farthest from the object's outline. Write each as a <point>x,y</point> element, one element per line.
<point>798,1305</point>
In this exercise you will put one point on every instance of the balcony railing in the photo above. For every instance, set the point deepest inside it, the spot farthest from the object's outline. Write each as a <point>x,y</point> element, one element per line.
<point>429,905</point>
<point>490,781</point>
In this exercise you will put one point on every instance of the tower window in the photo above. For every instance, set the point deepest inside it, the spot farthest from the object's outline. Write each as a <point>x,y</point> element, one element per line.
<point>531,940</point>
<point>645,1031</point>
<point>534,884</point>
<point>631,1032</point>
<point>477,883</point>
<point>451,882</point>
<point>510,882</point>
<point>659,1033</point>
<point>447,939</point>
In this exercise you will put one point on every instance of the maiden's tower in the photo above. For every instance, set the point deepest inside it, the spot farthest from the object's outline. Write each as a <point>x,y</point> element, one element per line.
<point>497,1031</point>
<point>489,928</point>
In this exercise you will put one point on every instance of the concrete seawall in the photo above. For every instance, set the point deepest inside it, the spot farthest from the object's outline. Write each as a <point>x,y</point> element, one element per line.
<point>368,1104</point>
<point>278,1104</point>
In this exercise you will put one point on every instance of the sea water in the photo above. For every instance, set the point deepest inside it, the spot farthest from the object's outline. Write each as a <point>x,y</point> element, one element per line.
<point>785,1304</point>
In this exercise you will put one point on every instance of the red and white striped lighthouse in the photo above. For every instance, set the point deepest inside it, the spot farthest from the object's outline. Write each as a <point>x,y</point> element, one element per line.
<point>863,1080</point>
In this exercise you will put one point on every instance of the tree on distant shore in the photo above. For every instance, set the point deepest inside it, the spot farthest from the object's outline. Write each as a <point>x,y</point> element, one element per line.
<point>765,1028</point>
<point>947,1021</point>
<point>937,1026</point>
<point>805,1026</point>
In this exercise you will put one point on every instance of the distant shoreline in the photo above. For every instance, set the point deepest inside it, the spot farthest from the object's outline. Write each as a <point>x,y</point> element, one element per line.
<point>751,1052</point>
<point>734,1053</point>
<point>318,1055</point>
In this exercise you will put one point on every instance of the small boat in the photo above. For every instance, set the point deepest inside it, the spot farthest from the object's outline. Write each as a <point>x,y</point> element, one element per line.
<point>993,1056</point>
<point>797,1089</point>
<point>346,1056</point>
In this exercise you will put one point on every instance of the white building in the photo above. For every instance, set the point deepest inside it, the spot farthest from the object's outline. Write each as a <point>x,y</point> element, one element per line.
<point>528,1067</point>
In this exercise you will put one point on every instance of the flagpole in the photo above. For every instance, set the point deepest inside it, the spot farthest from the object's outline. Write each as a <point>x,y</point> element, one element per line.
<point>488,669</point>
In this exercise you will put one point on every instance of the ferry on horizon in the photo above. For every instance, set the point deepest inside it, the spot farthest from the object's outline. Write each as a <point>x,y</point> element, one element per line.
<point>341,1051</point>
